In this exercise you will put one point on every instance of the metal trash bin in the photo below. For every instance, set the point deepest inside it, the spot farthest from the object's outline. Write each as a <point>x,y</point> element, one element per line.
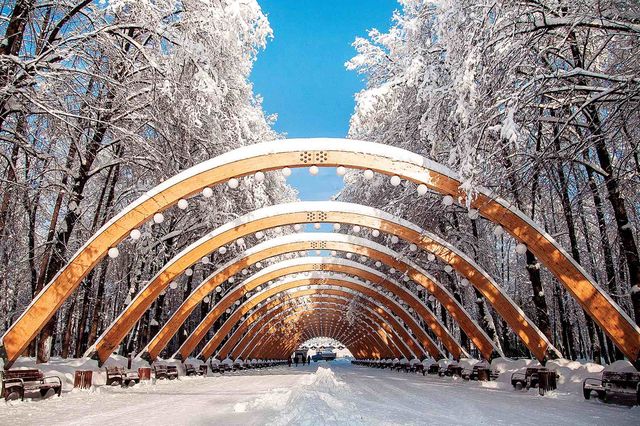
<point>484,374</point>
<point>144,373</point>
<point>83,379</point>
<point>547,380</point>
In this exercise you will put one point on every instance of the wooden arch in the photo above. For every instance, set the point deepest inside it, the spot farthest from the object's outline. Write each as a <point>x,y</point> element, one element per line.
<point>302,265</point>
<point>333,319</point>
<point>314,280</point>
<point>258,317</point>
<point>384,318</point>
<point>245,342</point>
<point>322,153</point>
<point>271,347</point>
<point>310,212</point>
<point>386,339</point>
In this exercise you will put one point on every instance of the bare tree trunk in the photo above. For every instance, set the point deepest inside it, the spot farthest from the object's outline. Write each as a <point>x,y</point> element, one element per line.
<point>623,225</point>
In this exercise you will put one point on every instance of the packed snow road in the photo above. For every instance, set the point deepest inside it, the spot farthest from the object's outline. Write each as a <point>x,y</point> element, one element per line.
<point>319,394</point>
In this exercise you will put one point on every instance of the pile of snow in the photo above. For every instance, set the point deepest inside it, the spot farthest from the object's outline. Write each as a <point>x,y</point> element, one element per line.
<point>468,363</point>
<point>428,362</point>
<point>622,366</point>
<point>573,373</point>
<point>444,362</point>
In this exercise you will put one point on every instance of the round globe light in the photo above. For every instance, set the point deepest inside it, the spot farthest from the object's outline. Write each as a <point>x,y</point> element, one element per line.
<point>356,229</point>
<point>336,226</point>
<point>183,204</point>
<point>240,242</point>
<point>297,227</point>
<point>392,270</point>
<point>232,279</point>
<point>521,248</point>
<point>473,214</point>
<point>222,250</point>
<point>447,200</point>
<point>394,239</point>
<point>259,235</point>
<point>349,255</point>
<point>205,260</point>
<point>233,183</point>
<point>158,218</point>
<point>464,282</point>
<point>431,257</point>
<point>375,233</point>
<point>188,272</point>
<point>286,172</point>
<point>378,264</point>
<point>448,269</point>
<point>395,180</point>
<point>422,189</point>
<point>135,234</point>
<point>314,170</point>
<point>206,299</point>
<point>368,174</point>
<point>498,230</point>
<point>228,311</point>
<point>316,225</point>
<point>334,253</point>
<point>259,176</point>
<point>259,265</point>
<point>113,252</point>
<point>245,271</point>
<point>413,247</point>
<point>341,171</point>
<point>207,193</point>
<point>173,285</point>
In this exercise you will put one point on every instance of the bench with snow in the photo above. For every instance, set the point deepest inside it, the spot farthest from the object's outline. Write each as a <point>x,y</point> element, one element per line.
<point>481,373</point>
<point>118,376</point>
<point>540,377</point>
<point>191,370</point>
<point>450,370</point>
<point>623,387</point>
<point>162,371</point>
<point>21,382</point>
<point>415,366</point>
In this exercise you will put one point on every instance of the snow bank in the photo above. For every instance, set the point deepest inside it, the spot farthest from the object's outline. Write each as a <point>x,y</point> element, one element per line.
<point>572,373</point>
<point>622,366</point>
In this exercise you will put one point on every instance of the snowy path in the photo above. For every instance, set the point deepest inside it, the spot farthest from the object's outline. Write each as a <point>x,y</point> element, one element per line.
<point>340,394</point>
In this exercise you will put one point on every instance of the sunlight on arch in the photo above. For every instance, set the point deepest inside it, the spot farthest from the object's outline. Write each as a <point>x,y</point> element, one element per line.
<point>324,346</point>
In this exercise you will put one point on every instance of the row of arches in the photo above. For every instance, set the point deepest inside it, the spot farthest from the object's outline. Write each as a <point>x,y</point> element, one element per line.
<point>326,153</point>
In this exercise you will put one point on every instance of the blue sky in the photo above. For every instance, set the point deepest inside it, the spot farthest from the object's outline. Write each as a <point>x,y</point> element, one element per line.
<point>302,77</point>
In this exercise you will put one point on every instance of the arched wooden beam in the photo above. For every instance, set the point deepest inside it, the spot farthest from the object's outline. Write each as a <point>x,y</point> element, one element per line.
<point>335,212</point>
<point>316,278</point>
<point>372,312</point>
<point>327,316</point>
<point>385,341</point>
<point>398,336</point>
<point>321,152</point>
<point>171,327</point>
<point>273,339</point>
<point>352,338</point>
<point>260,316</point>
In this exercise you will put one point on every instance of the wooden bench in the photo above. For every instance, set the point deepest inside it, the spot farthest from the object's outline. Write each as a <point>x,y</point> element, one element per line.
<point>616,386</point>
<point>118,376</point>
<point>451,370</point>
<point>480,373</point>
<point>165,371</point>
<point>540,377</point>
<point>190,370</point>
<point>23,381</point>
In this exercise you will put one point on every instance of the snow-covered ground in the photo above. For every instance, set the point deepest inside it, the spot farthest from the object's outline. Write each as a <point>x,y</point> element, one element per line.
<point>323,393</point>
